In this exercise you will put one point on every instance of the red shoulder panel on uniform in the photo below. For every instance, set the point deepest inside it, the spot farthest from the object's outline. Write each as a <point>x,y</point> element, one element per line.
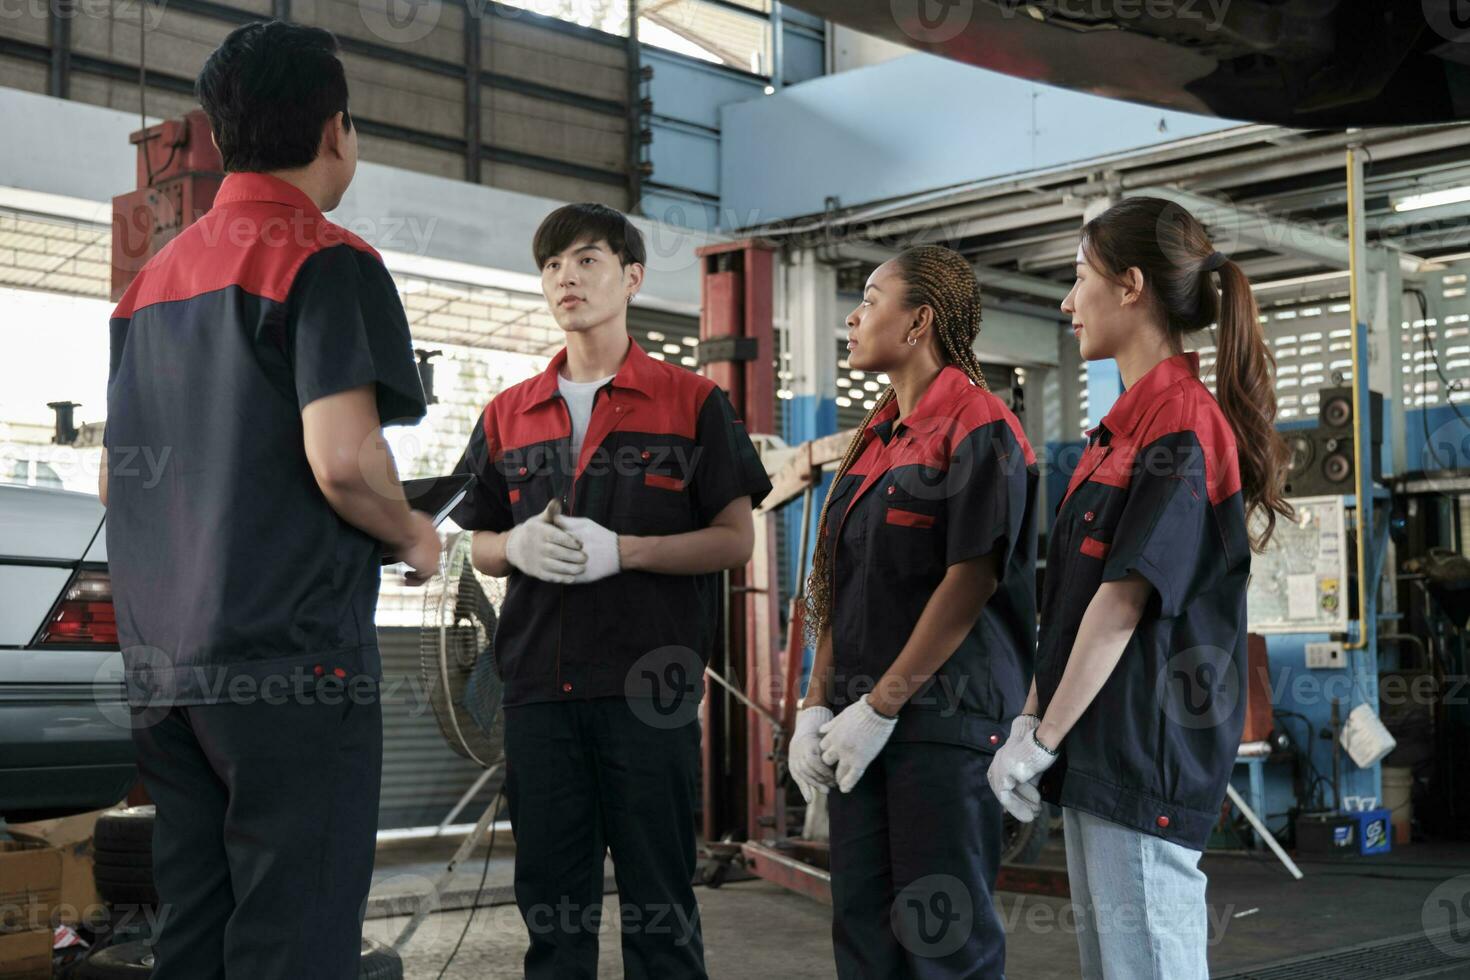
<point>1189,407</point>
<point>257,246</point>
<point>518,416</point>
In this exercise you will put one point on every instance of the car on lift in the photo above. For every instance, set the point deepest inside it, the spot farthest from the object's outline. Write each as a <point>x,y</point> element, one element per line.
<point>65,744</point>
<point>1311,64</point>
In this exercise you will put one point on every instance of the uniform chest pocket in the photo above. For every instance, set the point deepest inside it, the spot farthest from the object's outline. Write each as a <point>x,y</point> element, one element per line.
<point>529,490</point>
<point>904,509</point>
<point>652,493</point>
<point>1093,526</point>
<point>910,541</point>
<point>908,518</point>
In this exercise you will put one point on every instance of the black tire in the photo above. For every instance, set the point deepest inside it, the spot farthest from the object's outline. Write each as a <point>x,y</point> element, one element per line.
<point>120,895</point>
<point>122,846</point>
<point>130,874</point>
<point>380,962</point>
<point>1021,843</point>
<point>125,961</point>
<point>124,829</point>
<point>122,859</point>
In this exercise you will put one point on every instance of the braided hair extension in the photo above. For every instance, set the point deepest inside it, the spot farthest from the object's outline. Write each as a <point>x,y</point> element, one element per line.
<point>943,280</point>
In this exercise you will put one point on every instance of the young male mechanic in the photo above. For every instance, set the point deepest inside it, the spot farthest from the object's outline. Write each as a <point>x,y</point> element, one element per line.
<point>613,486</point>
<point>254,358</point>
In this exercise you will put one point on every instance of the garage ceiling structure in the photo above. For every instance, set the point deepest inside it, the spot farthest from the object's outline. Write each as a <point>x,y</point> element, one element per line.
<point>1275,199</point>
<point>1302,63</point>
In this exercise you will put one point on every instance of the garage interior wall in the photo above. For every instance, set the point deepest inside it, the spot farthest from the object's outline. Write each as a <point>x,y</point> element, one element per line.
<point>568,107</point>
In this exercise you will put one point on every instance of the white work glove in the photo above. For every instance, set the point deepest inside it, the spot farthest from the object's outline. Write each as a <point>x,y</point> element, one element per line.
<point>1016,768</point>
<point>804,757</point>
<point>598,543</point>
<point>853,739</point>
<point>542,550</point>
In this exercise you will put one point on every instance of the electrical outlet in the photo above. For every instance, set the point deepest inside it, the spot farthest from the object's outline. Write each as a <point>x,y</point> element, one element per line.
<point>1324,655</point>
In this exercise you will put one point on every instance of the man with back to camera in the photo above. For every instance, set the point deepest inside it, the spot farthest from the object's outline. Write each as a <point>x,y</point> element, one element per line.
<point>257,356</point>
<point>611,488</point>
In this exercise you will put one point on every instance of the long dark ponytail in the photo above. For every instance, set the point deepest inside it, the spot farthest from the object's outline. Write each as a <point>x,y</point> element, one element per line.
<point>1177,258</point>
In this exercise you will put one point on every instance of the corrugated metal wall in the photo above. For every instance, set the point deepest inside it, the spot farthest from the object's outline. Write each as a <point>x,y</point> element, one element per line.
<point>422,776</point>
<point>548,114</point>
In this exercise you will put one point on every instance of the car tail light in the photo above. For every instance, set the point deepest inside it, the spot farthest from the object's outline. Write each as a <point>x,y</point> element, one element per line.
<point>84,616</point>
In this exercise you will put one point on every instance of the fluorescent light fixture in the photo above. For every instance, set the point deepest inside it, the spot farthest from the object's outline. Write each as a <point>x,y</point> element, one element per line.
<point>1433,199</point>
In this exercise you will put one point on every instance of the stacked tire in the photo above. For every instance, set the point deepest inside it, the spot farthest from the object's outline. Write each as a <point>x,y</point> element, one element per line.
<point>123,847</point>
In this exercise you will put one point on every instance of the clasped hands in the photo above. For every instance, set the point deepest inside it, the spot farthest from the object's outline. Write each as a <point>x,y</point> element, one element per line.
<point>565,550</point>
<point>828,751</point>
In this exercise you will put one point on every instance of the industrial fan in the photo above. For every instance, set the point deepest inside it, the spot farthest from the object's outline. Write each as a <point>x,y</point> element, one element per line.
<point>457,656</point>
<point>457,664</point>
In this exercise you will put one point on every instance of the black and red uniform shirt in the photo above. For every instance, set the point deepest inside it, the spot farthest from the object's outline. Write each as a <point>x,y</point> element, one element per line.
<point>953,481</point>
<point>1156,492</point>
<point>664,453</point>
<point>226,558</point>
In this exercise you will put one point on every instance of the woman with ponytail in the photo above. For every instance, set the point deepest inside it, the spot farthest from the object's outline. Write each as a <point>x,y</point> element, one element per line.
<point>922,610</point>
<point>1136,711</point>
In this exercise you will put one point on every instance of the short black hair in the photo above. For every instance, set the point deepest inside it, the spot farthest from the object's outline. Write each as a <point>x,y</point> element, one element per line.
<point>573,223</point>
<point>268,89</point>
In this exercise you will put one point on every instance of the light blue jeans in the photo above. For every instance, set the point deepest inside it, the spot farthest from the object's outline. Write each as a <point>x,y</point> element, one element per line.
<point>1139,902</point>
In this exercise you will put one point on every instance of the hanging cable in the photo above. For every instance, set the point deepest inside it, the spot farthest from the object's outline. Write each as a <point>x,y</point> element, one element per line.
<point>484,873</point>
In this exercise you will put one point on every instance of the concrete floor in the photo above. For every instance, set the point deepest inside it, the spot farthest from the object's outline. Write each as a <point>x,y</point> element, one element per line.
<point>754,929</point>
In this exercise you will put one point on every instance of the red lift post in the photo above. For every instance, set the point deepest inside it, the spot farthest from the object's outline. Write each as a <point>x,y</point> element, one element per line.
<point>745,811</point>
<point>179,172</point>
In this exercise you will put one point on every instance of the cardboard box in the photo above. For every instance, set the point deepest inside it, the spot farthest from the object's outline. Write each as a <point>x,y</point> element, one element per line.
<point>30,885</point>
<point>72,837</point>
<point>26,955</point>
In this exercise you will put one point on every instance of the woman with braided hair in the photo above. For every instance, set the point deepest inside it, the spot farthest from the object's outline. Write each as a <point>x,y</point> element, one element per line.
<point>1135,716</point>
<point>922,610</point>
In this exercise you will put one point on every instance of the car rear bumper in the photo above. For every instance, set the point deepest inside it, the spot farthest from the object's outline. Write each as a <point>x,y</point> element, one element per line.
<point>63,748</point>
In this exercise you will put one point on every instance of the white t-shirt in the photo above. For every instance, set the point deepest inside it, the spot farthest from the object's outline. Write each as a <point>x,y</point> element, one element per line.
<point>579,396</point>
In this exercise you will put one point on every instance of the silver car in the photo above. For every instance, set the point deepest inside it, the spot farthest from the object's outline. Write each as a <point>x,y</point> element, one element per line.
<point>64,738</point>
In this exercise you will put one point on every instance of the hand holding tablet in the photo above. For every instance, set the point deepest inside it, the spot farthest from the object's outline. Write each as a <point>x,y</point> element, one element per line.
<point>434,496</point>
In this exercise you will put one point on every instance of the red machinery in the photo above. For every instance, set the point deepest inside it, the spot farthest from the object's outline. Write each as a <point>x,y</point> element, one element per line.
<point>179,172</point>
<point>745,812</point>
